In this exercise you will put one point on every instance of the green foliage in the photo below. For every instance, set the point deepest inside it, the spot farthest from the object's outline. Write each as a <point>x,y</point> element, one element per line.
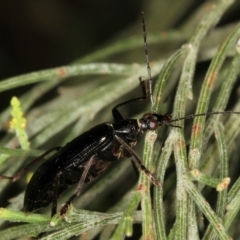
<point>18,123</point>
<point>87,90</point>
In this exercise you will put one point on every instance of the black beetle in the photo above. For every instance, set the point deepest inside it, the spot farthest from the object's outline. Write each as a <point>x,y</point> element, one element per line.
<point>90,154</point>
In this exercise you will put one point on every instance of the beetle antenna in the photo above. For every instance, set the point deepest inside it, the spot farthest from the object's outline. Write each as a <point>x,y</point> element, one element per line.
<point>191,116</point>
<point>147,62</point>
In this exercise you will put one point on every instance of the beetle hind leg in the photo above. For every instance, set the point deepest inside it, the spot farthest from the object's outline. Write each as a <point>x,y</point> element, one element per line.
<point>77,192</point>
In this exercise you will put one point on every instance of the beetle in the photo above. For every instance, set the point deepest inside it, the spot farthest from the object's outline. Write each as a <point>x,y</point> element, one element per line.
<point>86,157</point>
<point>90,154</point>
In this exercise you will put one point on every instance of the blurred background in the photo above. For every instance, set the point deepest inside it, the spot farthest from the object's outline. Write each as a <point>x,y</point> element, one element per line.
<point>37,35</point>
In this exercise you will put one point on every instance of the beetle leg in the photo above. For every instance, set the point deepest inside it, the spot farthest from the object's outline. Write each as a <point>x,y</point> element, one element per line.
<point>79,187</point>
<point>145,91</point>
<point>18,175</point>
<point>55,196</point>
<point>139,161</point>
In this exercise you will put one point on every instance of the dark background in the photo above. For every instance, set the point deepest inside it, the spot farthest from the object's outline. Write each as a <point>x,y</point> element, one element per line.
<point>36,35</point>
<point>42,34</point>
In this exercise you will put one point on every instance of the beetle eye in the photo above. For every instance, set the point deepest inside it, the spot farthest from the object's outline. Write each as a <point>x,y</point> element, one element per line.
<point>153,124</point>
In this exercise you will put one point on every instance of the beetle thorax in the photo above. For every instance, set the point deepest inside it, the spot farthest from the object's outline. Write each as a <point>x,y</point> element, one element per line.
<point>128,128</point>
